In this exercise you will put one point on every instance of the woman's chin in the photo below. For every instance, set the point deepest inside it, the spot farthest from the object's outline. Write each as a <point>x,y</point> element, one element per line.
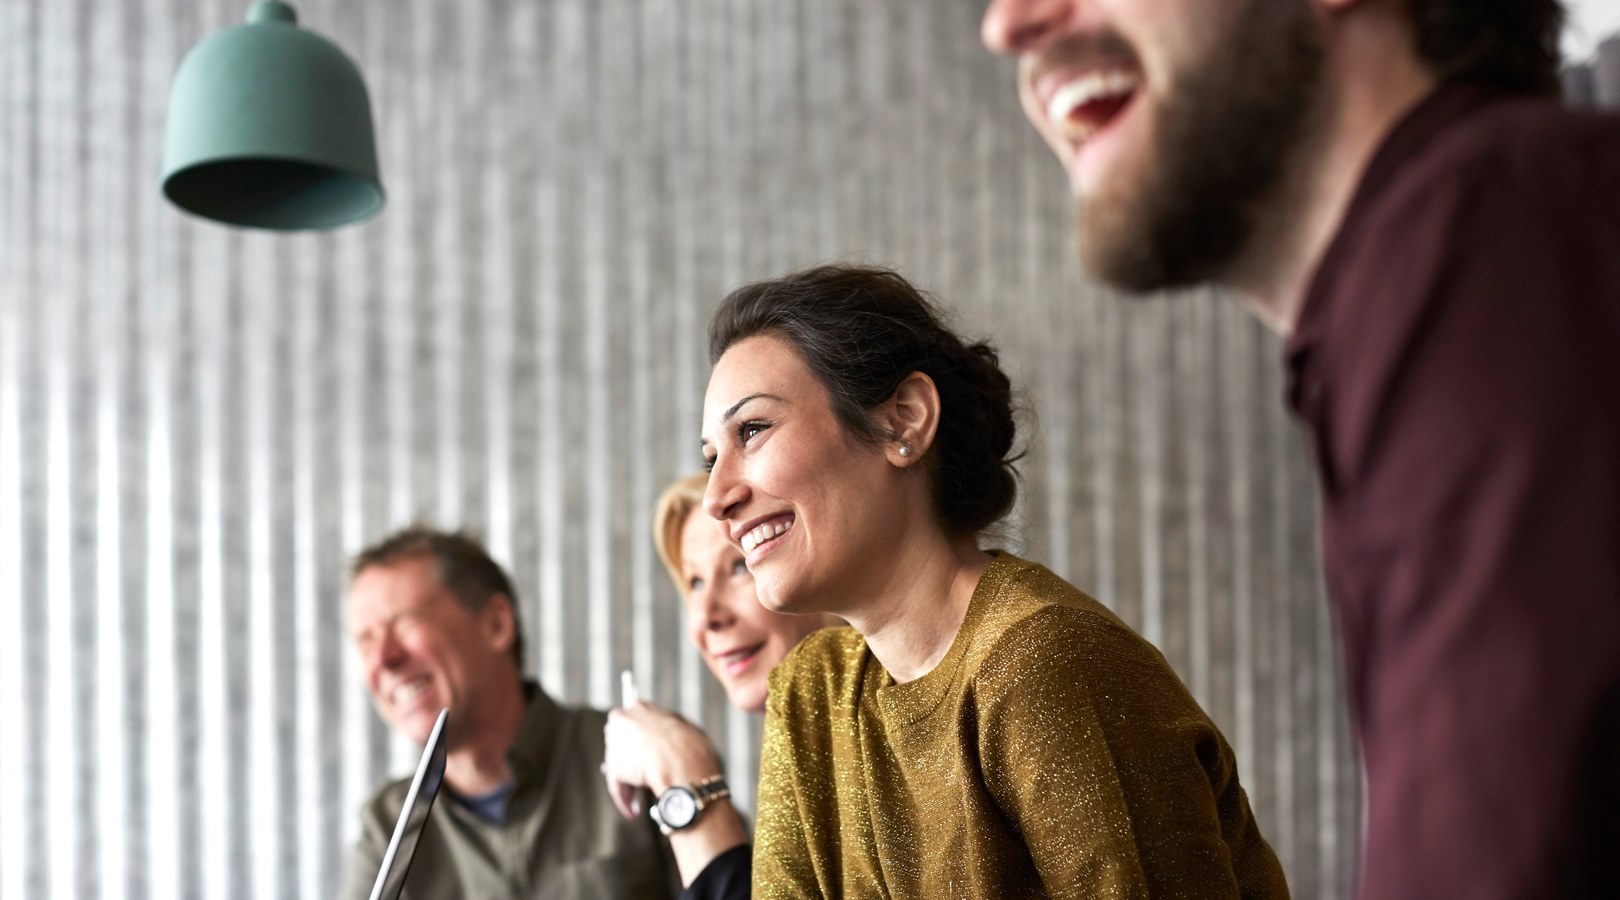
<point>770,595</point>
<point>749,698</point>
<point>782,598</point>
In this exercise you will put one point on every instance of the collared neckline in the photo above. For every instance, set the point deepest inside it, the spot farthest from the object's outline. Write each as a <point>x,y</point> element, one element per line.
<point>532,747</point>
<point>1430,117</point>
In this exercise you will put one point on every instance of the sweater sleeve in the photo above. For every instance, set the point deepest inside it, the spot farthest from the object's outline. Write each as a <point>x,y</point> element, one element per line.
<point>783,865</point>
<point>726,877</point>
<point>1119,783</point>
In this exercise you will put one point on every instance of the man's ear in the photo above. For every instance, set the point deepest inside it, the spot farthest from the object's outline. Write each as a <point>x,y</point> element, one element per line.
<point>911,417</point>
<point>499,623</point>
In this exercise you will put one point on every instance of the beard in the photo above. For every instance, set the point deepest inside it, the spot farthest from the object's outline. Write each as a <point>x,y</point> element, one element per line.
<point>1223,137</point>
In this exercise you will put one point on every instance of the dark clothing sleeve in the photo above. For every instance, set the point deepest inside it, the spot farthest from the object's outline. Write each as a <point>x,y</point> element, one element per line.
<point>1458,362</point>
<point>726,877</point>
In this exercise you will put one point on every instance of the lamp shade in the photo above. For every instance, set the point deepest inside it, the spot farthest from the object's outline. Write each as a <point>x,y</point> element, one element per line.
<point>270,127</point>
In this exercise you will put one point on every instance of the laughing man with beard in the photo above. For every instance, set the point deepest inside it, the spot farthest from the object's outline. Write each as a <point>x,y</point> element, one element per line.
<point>1394,188</point>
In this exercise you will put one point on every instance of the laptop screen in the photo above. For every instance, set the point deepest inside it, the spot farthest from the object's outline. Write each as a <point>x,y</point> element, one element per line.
<point>396,861</point>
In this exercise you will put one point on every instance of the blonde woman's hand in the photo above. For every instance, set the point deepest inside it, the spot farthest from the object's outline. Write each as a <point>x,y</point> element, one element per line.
<point>649,749</point>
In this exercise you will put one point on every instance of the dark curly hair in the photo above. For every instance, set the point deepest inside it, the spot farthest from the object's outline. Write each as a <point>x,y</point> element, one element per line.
<point>1508,44</point>
<point>464,567</point>
<point>861,330</point>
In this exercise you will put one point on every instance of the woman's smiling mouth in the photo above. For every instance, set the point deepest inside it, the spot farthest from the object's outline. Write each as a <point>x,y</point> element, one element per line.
<point>766,532</point>
<point>734,662</point>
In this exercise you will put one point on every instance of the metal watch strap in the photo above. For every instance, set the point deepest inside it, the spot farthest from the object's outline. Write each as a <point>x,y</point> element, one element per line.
<point>703,793</point>
<point>710,790</point>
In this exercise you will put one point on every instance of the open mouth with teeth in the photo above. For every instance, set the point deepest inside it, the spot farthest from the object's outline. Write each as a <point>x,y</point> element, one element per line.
<point>1088,104</point>
<point>405,694</point>
<point>766,534</point>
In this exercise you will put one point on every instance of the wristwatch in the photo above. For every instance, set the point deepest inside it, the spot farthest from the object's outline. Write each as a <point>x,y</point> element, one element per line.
<point>678,807</point>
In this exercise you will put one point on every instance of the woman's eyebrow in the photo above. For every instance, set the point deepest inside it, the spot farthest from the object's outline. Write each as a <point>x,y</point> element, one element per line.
<point>740,403</point>
<point>732,410</point>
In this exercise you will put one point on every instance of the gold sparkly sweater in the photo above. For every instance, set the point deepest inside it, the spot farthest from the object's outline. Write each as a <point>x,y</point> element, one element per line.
<point>1052,752</point>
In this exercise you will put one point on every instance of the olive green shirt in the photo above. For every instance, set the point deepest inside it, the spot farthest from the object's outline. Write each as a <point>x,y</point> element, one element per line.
<point>1051,753</point>
<point>562,836</point>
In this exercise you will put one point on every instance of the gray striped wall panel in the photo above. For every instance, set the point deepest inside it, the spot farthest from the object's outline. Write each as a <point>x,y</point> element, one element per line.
<point>198,425</point>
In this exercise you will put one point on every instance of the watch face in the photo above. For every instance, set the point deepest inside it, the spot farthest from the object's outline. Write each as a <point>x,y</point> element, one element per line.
<point>677,807</point>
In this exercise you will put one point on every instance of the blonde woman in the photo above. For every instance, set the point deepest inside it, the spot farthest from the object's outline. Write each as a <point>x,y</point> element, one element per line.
<point>741,642</point>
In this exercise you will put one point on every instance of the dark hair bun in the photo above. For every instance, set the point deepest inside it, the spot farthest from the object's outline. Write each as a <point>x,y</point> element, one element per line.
<point>977,484</point>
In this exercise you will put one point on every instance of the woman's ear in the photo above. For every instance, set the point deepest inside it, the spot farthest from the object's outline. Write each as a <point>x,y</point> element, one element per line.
<point>912,417</point>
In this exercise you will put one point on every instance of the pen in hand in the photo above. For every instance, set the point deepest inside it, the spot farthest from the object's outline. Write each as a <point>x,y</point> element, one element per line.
<point>629,697</point>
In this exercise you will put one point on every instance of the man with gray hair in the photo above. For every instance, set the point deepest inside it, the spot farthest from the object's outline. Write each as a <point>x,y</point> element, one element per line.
<point>434,620</point>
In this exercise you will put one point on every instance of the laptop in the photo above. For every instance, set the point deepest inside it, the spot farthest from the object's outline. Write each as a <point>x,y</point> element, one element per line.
<point>396,861</point>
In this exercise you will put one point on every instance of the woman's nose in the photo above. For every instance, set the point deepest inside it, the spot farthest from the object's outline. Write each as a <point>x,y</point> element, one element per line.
<point>725,491</point>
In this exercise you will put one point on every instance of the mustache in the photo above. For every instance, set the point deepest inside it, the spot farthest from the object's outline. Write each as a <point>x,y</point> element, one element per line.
<point>1082,50</point>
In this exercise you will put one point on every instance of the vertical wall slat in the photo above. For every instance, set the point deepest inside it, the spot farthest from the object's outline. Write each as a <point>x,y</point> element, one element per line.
<point>159,602</point>
<point>64,740</point>
<point>257,336</point>
<point>310,361</point>
<point>17,841</point>
<point>107,77</point>
<point>205,392</point>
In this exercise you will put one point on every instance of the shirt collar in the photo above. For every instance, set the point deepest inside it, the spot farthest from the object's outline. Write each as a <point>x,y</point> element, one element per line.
<point>531,750</point>
<point>1430,117</point>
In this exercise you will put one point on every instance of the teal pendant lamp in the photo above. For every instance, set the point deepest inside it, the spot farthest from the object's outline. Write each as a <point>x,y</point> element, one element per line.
<point>270,127</point>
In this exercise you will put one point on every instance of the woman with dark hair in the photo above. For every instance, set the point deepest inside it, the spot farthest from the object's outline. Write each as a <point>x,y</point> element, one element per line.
<point>983,729</point>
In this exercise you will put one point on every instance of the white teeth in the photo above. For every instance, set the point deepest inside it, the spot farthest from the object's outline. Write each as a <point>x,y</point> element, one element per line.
<point>405,693</point>
<point>762,534</point>
<point>1068,99</point>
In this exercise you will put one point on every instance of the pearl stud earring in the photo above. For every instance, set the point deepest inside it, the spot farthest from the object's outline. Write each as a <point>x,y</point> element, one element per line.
<point>905,450</point>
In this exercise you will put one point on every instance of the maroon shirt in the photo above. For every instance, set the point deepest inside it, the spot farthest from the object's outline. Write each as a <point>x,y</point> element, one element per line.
<point>1457,360</point>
